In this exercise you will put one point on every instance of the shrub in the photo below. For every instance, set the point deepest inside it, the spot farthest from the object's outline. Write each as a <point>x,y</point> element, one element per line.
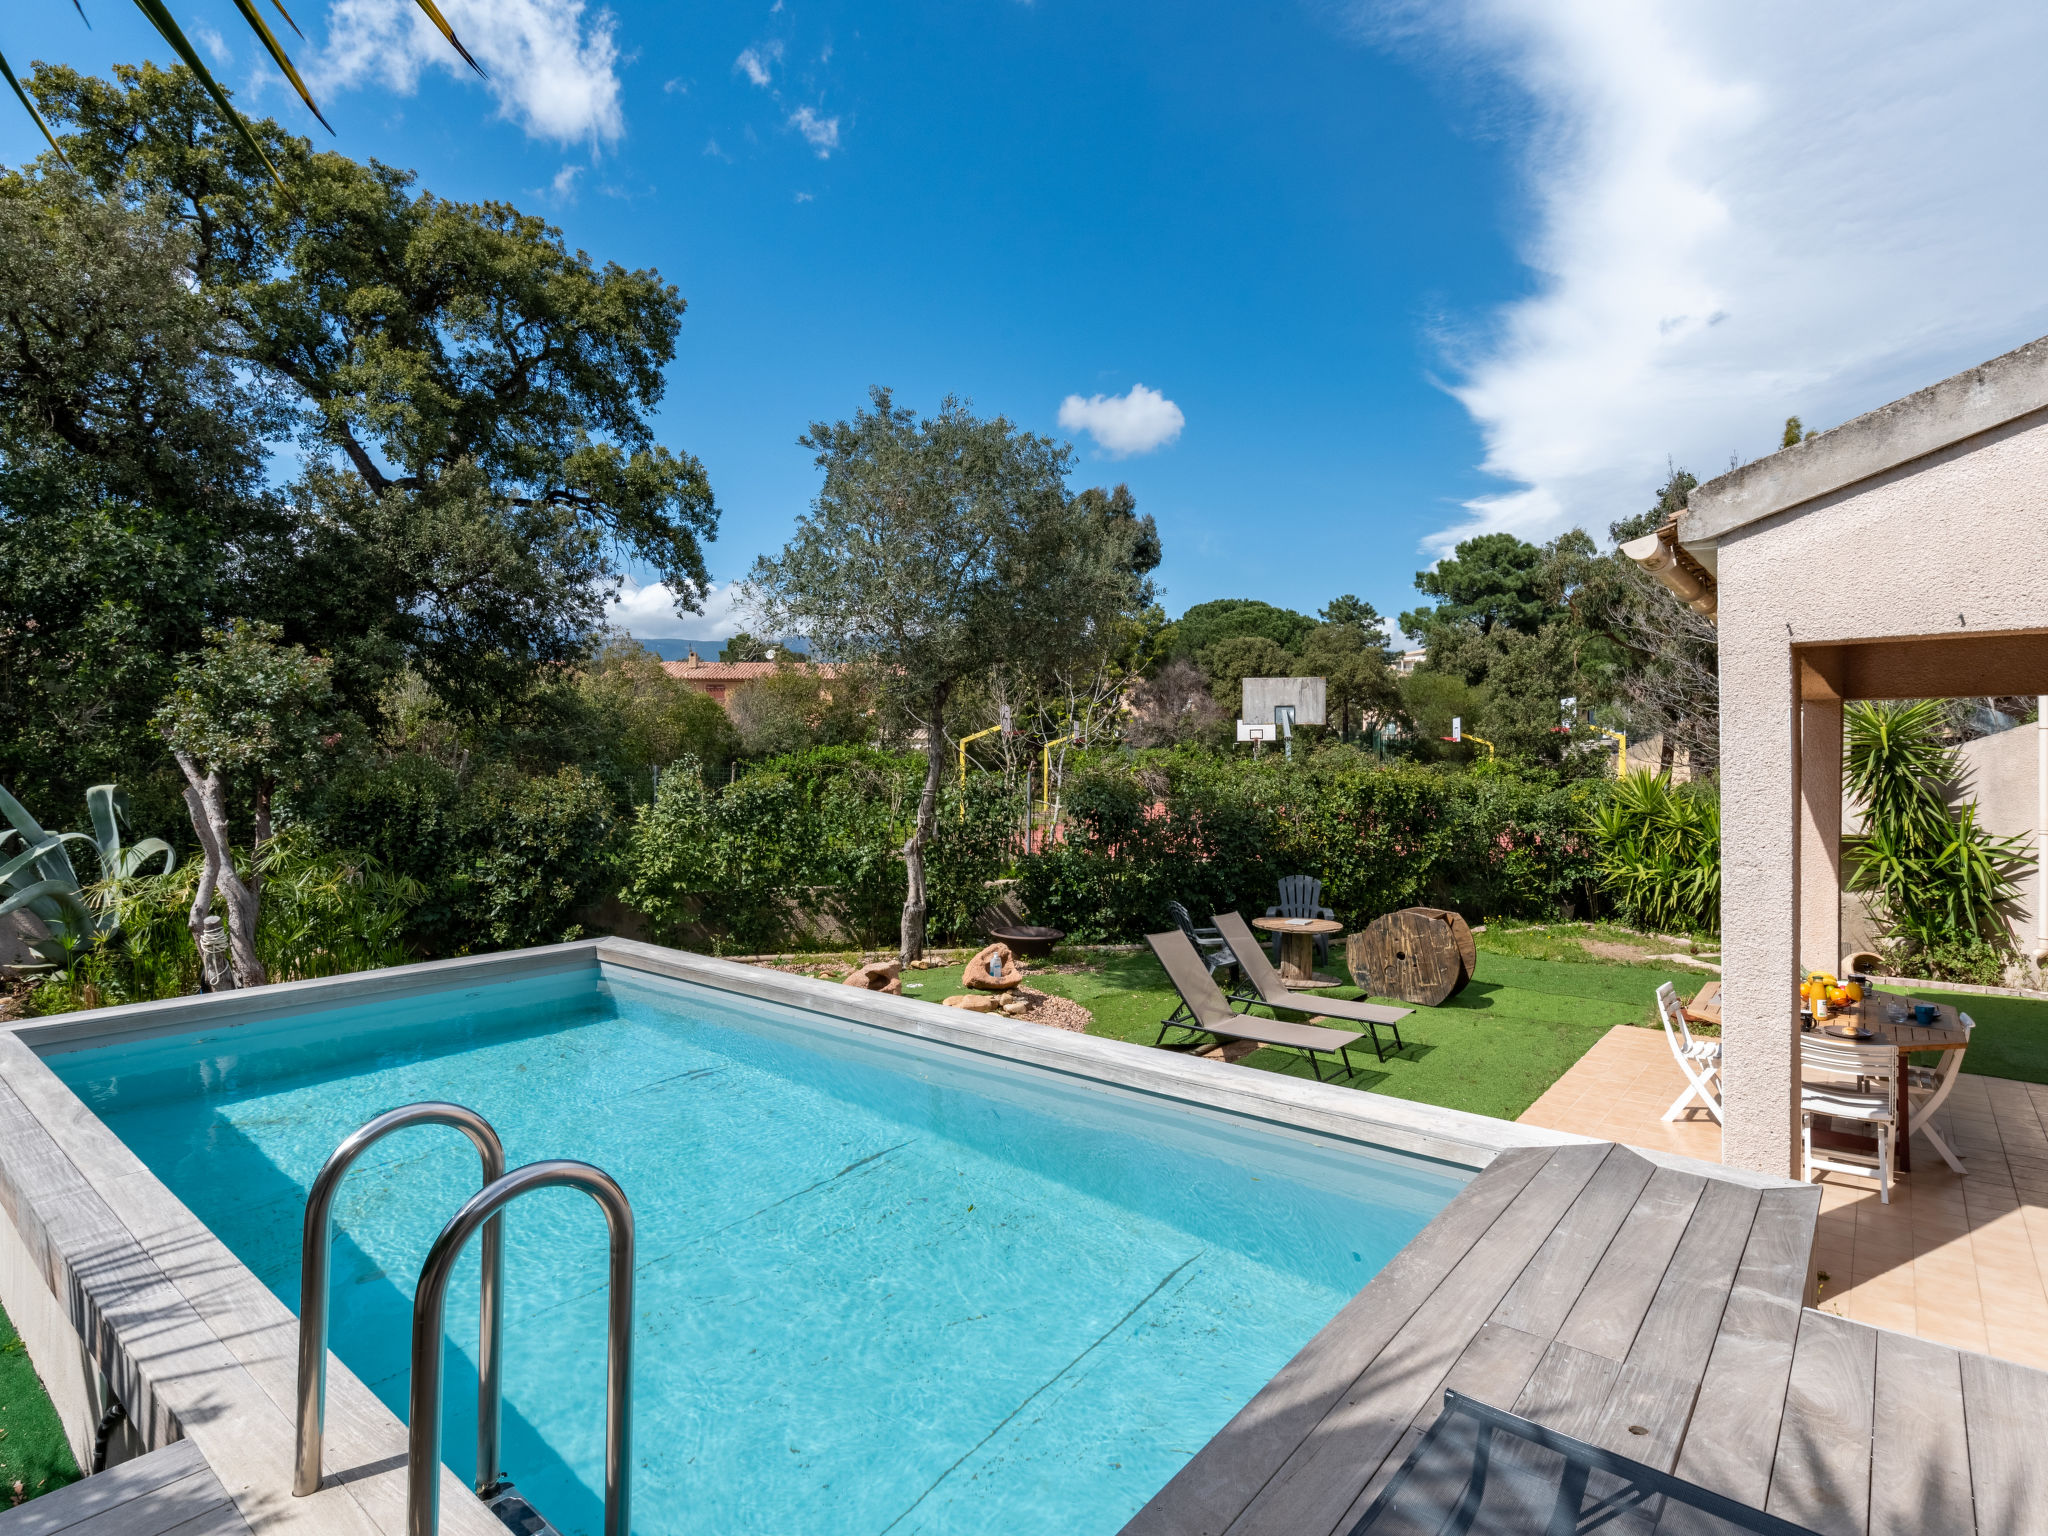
<point>1659,852</point>
<point>818,831</point>
<point>501,862</point>
<point>324,912</point>
<point>1938,881</point>
<point>1216,834</point>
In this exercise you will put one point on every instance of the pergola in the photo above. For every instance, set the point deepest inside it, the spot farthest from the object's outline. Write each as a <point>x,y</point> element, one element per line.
<point>1901,555</point>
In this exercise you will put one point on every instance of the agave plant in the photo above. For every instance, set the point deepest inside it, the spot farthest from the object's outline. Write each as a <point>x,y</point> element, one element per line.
<point>39,876</point>
<point>159,16</point>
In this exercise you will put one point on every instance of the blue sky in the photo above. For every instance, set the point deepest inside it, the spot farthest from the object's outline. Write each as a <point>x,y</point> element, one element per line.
<point>1402,272</point>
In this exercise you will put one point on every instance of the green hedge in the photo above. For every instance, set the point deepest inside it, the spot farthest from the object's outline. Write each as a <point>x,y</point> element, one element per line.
<point>503,860</point>
<point>1217,834</point>
<point>815,832</point>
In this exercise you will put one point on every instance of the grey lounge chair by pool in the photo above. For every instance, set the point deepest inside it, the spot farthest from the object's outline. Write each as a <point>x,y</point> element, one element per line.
<point>1204,1010</point>
<point>1275,993</point>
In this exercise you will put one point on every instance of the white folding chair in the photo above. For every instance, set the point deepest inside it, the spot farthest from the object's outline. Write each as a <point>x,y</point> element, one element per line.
<point>1699,1060</point>
<point>1926,1090</point>
<point>1833,1072</point>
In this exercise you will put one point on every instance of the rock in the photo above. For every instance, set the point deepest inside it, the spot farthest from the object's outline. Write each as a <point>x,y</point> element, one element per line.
<point>877,976</point>
<point>973,1002</point>
<point>981,970</point>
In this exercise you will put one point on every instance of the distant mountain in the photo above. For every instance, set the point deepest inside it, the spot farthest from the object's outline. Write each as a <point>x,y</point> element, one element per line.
<point>707,650</point>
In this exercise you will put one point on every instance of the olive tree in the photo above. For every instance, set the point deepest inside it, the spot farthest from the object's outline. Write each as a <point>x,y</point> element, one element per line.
<point>939,549</point>
<point>242,713</point>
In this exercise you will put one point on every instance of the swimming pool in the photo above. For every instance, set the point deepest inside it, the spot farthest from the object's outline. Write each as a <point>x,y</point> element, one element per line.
<point>883,1285</point>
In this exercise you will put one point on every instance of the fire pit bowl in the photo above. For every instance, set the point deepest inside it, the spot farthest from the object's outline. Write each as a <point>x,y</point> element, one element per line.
<point>1028,943</point>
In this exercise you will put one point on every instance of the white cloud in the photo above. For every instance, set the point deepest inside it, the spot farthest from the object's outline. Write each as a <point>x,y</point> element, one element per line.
<point>821,133</point>
<point>754,62</point>
<point>214,43</point>
<point>565,181</point>
<point>1741,212</point>
<point>1136,421</point>
<point>648,612</point>
<point>803,197</point>
<point>552,67</point>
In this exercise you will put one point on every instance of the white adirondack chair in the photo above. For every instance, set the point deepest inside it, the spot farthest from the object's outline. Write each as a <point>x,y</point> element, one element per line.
<point>1699,1060</point>
<point>1835,1074</point>
<point>1927,1088</point>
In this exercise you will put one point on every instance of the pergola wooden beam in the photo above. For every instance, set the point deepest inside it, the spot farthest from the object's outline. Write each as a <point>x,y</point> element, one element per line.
<point>1926,667</point>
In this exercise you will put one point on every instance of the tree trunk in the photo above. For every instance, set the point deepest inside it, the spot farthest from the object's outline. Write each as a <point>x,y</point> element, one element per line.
<point>206,799</point>
<point>914,905</point>
<point>202,898</point>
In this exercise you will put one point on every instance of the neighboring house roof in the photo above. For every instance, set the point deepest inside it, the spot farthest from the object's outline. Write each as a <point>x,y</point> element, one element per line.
<point>732,673</point>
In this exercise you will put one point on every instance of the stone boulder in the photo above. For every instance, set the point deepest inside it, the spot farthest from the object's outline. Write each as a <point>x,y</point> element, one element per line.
<point>984,974</point>
<point>877,976</point>
<point>973,1002</point>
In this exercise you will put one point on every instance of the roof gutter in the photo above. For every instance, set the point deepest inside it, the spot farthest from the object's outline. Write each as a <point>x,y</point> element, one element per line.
<point>1676,568</point>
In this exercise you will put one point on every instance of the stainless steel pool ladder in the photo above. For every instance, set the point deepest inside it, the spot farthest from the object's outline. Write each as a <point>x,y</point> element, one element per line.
<point>430,1297</point>
<point>423,1439</point>
<point>316,1243</point>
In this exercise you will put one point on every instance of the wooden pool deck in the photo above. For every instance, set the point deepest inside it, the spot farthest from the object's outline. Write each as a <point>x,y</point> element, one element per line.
<point>171,1492</point>
<point>1656,1313</point>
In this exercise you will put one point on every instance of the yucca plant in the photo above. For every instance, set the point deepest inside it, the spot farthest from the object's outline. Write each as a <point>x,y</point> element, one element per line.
<point>1659,852</point>
<point>1935,876</point>
<point>159,16</point>
<point>39,876</point>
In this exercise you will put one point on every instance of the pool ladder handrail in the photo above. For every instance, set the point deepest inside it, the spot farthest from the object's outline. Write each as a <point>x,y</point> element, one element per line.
<point>423,1435</point>
<point>316,1244</point>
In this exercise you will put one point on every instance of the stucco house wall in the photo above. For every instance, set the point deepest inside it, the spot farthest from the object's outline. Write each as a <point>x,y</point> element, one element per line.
<point>1952,543</point>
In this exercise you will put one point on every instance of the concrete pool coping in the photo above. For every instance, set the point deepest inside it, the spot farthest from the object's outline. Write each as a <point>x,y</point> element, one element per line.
<point>108,1274</point>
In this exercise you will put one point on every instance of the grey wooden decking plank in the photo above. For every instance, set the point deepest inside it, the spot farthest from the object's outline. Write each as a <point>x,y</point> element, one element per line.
<point>1226,1474</point>
<point>1538,1302</point>
<point>1494,1368</point>
<point>1323,1477</point>
<point>1566,1389</point>
<point>91,1497</point>
<point>1821,1475</point>
<point>1646,1415</point>
<point>2004,1406</point>
<point>1733,1434</point>
<point>1919,1449</point>
<point>1609,1309</point>
<point>222,1519</point>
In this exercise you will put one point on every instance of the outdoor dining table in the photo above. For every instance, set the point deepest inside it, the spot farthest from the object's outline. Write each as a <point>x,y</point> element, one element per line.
<point>1298,937</point>
<point>1945,1034</point>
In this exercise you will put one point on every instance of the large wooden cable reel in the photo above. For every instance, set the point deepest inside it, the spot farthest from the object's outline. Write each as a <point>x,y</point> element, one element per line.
<point>1422,955</point>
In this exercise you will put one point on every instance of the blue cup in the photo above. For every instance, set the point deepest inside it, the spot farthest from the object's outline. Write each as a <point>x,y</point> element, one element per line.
<point>1924,1014</point>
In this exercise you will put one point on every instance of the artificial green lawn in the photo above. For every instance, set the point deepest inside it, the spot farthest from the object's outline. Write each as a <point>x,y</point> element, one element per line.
<point>34,1455</point>
<point>2011,1038</point>
<point>1492,1049</point>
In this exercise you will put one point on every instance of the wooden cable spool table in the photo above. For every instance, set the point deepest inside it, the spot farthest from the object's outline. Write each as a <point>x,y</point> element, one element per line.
<point>1298,937</point>
<point>1945,1034</point>
<point>1421,955</point>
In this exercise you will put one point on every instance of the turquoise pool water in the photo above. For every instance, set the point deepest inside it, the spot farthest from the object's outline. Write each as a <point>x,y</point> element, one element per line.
<point>882,1286</point>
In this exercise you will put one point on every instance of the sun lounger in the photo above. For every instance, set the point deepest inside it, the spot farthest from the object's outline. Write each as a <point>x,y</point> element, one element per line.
<point>1204,1010</point>
<point>1275,993</point>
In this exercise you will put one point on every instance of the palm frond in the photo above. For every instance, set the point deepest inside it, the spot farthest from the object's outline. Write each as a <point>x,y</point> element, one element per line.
<point>30,107</point>
<point>167,27</point>
<point>280,58</point>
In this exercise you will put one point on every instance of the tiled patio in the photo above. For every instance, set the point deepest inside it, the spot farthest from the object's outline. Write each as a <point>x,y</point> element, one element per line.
<point>1958,1260</point>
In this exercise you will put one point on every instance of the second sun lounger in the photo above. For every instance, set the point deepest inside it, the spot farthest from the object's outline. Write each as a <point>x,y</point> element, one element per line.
<point>1275,993</point>
<point>1204,1010</point>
